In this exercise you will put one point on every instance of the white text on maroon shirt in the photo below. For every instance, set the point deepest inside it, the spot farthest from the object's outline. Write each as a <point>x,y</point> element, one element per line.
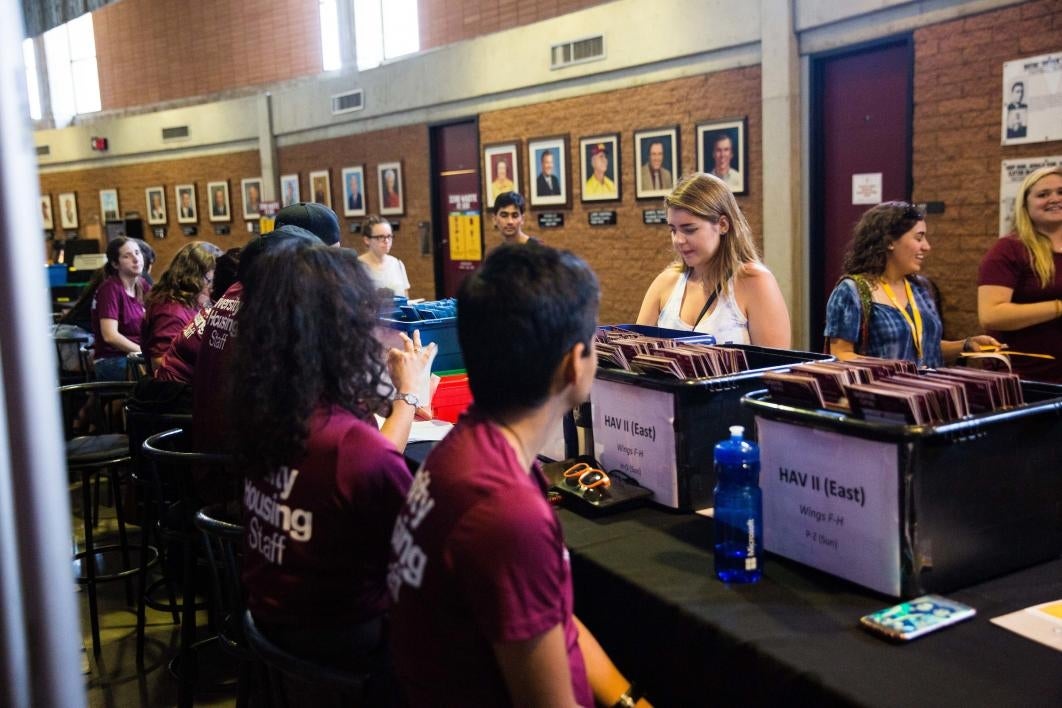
<point>410,560</point>
<point>273,524</point>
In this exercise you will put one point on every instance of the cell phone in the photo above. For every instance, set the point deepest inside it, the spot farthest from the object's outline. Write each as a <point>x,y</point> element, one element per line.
<point>917,617</point>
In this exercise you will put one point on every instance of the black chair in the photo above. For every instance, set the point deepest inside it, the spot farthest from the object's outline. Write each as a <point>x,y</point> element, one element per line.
<point>74,361</point>
<point>89,456</point>
<point>138,366</point>
<point>174,465</point>
<point>294,682</point>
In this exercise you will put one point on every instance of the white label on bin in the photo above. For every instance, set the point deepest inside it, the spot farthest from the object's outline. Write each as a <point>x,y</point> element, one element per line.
<point>634,432</point>
<point>831,501</point>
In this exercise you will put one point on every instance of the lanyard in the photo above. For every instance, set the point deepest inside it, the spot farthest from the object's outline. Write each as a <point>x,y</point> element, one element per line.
<point>916,326</point>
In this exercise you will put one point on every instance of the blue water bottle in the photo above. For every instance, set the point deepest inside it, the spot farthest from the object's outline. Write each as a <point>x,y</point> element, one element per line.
<point>738,510</point>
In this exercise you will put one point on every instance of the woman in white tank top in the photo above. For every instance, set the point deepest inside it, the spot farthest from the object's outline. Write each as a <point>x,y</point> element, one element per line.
<point>718,284</point>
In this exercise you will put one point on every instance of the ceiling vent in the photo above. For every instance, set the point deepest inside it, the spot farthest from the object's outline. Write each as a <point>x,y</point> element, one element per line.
<point>43,150</point>
<point>348,102</point>
<point>577,51</point>
<point>177,133</point>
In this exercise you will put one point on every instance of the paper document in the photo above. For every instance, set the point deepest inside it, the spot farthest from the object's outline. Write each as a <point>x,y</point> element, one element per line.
<point>1040,623</point>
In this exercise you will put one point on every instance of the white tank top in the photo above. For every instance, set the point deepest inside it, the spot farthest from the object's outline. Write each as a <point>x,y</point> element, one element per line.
<point>726,322</point>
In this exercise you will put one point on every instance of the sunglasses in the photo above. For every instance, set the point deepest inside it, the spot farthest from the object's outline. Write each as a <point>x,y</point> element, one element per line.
<point>591,481</point>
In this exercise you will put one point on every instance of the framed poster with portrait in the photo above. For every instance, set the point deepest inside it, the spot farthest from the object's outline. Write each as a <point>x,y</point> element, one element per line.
<point>109,205</point>
<point>354,190</point>
<point>46,211</point>
<point>321,187</point>
<point>155,198</point>
<point>547,160</point>
<point>187,208</point>
<point>289,190</point>
<point>251,189</point>
<point>722,150</point>
<point>219,201</point>
<point>392,193</point>
<point>501,170</point>
<point>656,162</point>
<point>599,167</point>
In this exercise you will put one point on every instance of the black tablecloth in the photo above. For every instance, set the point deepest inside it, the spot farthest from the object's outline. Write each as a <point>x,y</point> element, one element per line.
<point>644,586</point>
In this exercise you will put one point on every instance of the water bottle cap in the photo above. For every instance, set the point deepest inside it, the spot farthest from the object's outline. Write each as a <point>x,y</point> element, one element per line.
<point>737,432</point>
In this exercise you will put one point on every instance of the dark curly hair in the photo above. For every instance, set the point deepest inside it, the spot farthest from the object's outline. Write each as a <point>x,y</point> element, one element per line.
<point>184,279</point>
<point>879,227</point>
<point>305,341</point>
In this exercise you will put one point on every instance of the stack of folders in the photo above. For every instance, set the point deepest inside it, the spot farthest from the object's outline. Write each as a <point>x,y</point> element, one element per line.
<point>892,391</point>
<point>666,357</point>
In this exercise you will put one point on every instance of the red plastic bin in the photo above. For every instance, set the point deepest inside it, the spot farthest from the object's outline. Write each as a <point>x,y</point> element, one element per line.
<point>451,398</point>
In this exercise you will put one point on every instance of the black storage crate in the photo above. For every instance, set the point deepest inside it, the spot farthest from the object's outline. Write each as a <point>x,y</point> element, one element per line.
<point>703,411</point>
<point>976,498</point>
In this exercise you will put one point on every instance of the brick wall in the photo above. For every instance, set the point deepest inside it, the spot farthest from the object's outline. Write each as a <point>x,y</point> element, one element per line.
<point>132,180</point>
<point>408,144</point>
<point>151,51</point>
<point>957,155</point>
<point>629,255</point>
<point>446,21</point>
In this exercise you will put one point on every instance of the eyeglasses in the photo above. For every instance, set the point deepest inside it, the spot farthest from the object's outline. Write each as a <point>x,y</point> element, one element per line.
<point>388,237</point>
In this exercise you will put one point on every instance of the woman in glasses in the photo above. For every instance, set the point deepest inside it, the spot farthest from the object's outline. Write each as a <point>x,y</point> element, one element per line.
<point>386,271</point>
<point>181,292</point>
<point>882,306</point>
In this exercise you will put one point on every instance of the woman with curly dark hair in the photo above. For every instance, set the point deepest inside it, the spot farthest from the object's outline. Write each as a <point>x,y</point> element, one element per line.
<point>882,306</point>
<point>181,291</point>
<point>322,484</point>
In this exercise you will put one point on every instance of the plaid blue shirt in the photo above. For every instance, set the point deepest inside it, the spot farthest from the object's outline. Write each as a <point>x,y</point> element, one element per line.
<point>889,336</point>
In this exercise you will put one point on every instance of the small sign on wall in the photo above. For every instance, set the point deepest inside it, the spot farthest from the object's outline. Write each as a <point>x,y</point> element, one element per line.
<point>866,188</point>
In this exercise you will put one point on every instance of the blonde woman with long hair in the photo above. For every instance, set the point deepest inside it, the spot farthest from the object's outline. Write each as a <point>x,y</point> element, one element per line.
<point>717,284</point>
<point>1019,285</point>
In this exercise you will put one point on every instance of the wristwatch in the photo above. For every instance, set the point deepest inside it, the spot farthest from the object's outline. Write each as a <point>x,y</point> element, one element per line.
<point>410,398</point>
<point>630,697</point>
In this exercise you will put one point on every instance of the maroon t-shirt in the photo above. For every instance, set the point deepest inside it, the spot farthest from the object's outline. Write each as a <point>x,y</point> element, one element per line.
<point>178,362</point>
<point>112,302</point>
<point>1007,264</point>
<point>477,558</point>
<point>210,426</point>
<point>316,534</point>
<point>162,322</point>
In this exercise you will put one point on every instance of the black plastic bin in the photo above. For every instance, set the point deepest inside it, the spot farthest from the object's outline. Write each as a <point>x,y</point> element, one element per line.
<point>699,413</point>
<point>974,498</point>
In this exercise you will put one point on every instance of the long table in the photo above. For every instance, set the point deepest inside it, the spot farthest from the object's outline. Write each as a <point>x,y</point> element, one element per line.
<point>644,586</point>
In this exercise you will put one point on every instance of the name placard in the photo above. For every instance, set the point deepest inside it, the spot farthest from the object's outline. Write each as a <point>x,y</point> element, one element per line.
<point>550,220</point>
<point>634,432</point>
<point>654,217</point>
<point>601,218</point>
<point>831,501</point>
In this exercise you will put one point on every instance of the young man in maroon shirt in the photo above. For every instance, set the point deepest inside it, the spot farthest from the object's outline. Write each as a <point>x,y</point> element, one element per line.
<point>479,572</point>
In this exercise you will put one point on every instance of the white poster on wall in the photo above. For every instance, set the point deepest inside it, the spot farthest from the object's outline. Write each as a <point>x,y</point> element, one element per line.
<point>1011,174</point>
<point>866,188</point>
<point>1032,100</point>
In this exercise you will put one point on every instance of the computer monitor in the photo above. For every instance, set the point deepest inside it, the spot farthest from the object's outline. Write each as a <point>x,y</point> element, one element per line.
<point>77,246</point>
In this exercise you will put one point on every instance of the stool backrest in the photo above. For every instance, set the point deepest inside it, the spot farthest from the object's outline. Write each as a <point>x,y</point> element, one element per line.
<point>222,540</point>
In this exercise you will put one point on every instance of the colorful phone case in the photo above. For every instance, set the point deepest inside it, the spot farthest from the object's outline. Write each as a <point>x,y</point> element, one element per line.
<point>917,617</point>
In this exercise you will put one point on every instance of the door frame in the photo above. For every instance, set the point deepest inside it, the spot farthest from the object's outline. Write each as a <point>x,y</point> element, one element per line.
<point>438,225</point>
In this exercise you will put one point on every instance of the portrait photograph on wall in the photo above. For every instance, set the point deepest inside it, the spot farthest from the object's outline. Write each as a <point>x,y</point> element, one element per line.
<point>184,197</point>
<point>501,170</point>
<point>547,160</point>
<point>1032,112</point>
<point>251,189</point>
<point>109,205</point>
<point>722,151</point>
<point>155,198</point>
<point>321,187</point>
<point>68,210</point>
<point>656,162</point>
<point>392,196</point>
<point>600,170</point>
<point>46,211</point>
<point>354,190</point>
<point>289,190</point>
<point>219,201</point>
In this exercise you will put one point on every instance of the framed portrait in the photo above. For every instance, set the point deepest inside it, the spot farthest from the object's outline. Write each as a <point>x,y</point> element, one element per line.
<point>321,188</point>
<point>155,197</point>
<point>547,160</point>
<point>219,201</point>
<point>354,190</point>
<point>501,170</point>
<point>392,193</point>
<point>251,189</point>
<point>722,150</point>
<point>68,210</point>
<point>46,211</point>
<point>656,162</point>
<point>289,190</point>
<point>600,168</point>
<point>109,205</point>
<point>187,209</point>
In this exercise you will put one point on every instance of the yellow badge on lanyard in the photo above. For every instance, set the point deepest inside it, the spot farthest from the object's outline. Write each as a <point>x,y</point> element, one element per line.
<point>916,325</point>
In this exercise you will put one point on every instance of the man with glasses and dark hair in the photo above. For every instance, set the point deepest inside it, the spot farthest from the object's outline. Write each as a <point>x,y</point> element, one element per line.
<point>479,572</point>
<point>387,272</point>
<point>509,218</point>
